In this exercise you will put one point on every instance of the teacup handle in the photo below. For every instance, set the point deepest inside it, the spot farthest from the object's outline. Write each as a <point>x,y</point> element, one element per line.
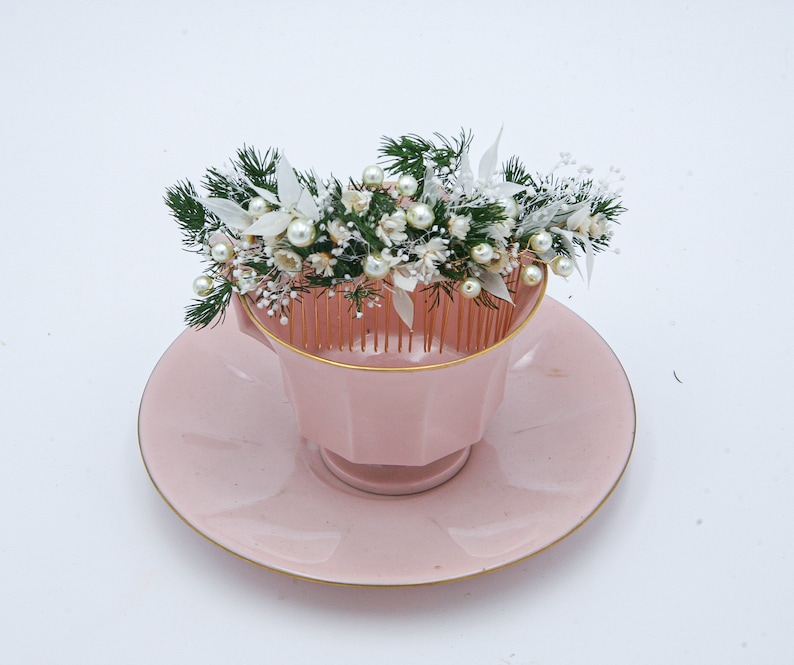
<point>246,323</point>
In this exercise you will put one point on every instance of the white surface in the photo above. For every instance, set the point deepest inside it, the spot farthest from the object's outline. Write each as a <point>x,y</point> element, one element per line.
<point>104,105</point>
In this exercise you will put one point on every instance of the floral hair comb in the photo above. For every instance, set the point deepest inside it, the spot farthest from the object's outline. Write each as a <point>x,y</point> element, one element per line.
<point>421,244</point>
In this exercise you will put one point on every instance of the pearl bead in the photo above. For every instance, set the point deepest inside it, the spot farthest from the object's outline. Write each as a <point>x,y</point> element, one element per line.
<point>222,252</point>
<point>372,176</point>
<point>470,287</point>
<point>482,253</point>
<point>257,206</point>
<point>247,281</point>
<point>531,275</point>
<point>420,216</point>
<point>202,285</point>
<point>541,241</point>
<point>376,267</point>
<point>301,232</point>
<point>407,185</point>
<point>562,266</point>
<point>399,214</point>
<point>510,206</point>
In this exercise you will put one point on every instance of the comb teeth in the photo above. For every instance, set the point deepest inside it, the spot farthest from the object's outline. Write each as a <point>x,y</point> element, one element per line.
<point>444,328</point>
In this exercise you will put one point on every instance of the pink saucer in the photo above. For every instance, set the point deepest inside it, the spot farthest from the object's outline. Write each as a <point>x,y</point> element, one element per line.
<point>219,440</point>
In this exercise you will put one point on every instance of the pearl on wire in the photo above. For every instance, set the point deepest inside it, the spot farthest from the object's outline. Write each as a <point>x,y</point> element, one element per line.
<point>407,185</point>
<point>420,216</point>
<point>482,253</point>
<point>202,285</point>
<point>510,206</point>
<point>562,266</point>
<point>470,287</point>
<point>257,206</point>
<point>372,176</point>
<point>376,267</point>
<point>301,232</point>
<point>531,275</point>
<point>541,242</point>
<point>222,252</point>
<point>247,281</point>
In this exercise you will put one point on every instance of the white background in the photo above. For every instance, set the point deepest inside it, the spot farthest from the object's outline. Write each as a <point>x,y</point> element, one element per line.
<point>106,104</point>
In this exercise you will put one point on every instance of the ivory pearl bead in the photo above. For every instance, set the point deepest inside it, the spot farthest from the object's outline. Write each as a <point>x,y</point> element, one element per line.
<point>202,285</point>
<point>222,252</point>
<point>407,185</point>
<point>420,216</point>
<point>375,267</point>
<point>372,176</point>
<point>301,232</point>
<point>562,266</point>
<point>482,253</point>
<point>257,206</point>
<point>531,275</point>
<point>541,242</point>
<point>470,287</point>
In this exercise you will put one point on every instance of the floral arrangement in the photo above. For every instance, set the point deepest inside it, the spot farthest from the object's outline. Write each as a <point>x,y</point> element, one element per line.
<point>275,234</point>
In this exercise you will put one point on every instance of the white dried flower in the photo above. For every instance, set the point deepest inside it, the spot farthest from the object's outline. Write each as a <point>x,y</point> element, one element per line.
<point>339,231</point>
<point>459,226</point>
<point>287,260</point>
<point>429,256</point>
<point>599,226</point>
<point>356,201</point>
<point>589,225</point>
<point>322,263</point>
<point>502,230</point>
<point>391,228</point>
<point>580,220</point>
<point>499,262</point>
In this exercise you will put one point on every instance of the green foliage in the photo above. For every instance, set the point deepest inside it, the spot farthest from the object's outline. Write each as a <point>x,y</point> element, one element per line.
<point>516,172</point>
<point>201,312</point>
<point>410,154</point>
<point>249,167</point>
<point>610,207</point>
<point>260,169</point>
<point>188,213</point>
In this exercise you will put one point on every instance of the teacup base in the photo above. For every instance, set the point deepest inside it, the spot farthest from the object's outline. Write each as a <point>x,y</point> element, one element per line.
<point>392,479</point>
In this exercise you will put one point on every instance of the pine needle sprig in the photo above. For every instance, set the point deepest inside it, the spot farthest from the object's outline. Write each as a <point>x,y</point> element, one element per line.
<point>188,213</point>
<point>515,171</point>
<point>411,154</point>
<point>610,207</point>
<point>249,167</point>
<point>482,217</point>
<point>260,169</point>
<point>200,313</point>
<point>362,292</point>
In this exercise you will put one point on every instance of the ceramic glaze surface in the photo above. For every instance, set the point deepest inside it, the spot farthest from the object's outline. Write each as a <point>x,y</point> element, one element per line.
<point>402,418</point>
<point>220,442</point>
<point>419,398</point>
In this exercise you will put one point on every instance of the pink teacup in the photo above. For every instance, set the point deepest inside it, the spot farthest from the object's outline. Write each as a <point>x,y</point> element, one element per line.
<point>394,410</point>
